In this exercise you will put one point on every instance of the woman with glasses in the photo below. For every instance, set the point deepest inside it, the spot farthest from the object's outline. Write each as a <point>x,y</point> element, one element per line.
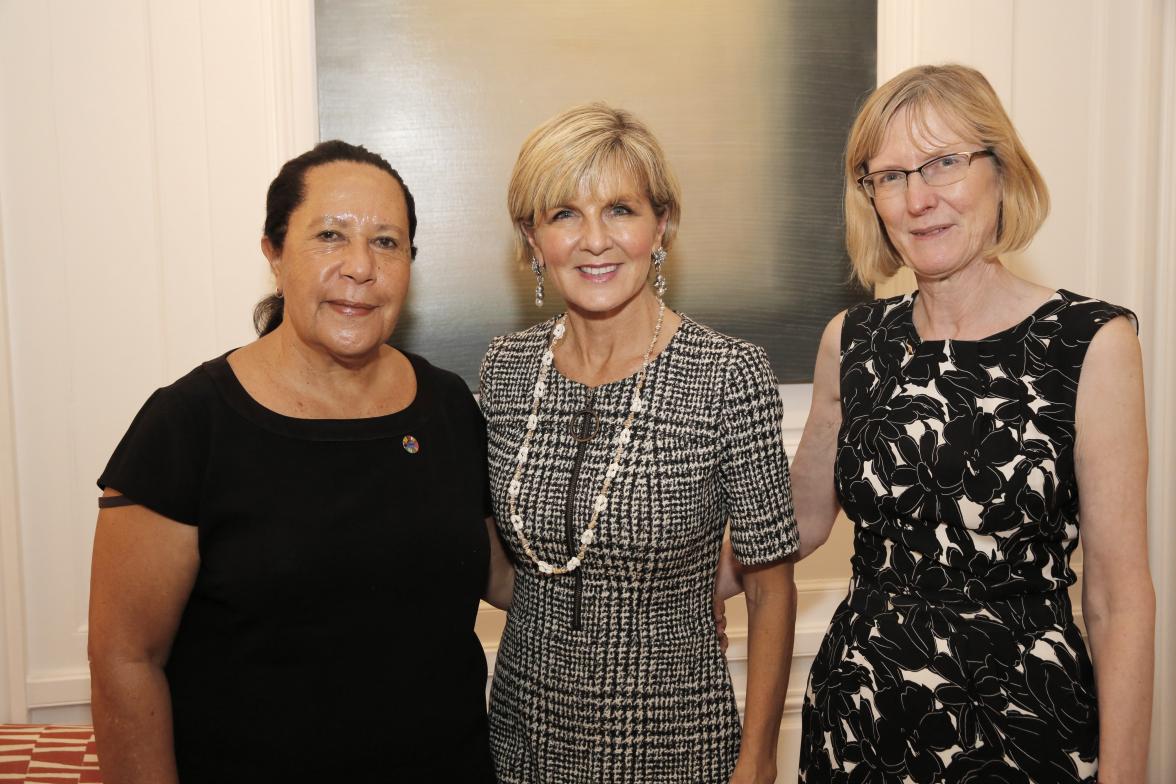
<point>967,429</point>
<point>622,438</point>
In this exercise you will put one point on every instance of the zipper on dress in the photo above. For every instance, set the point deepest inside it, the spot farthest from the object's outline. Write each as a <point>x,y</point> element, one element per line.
<point>571,535</point>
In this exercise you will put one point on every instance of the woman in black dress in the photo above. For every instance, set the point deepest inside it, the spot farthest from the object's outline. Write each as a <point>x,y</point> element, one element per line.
<point>267,519</point>
<point>966,429</point>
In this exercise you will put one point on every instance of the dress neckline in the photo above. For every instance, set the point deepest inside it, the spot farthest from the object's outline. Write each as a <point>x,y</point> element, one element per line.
<point>669,348</point>
<point>916,340</point>
<point>362,429</point>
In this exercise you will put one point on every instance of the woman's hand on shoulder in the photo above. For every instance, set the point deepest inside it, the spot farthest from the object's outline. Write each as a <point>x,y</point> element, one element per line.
<point>813,496</point>
<point>729,575</point>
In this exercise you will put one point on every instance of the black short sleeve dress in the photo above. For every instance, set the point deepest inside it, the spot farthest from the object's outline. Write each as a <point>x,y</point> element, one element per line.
<point>330,632</point>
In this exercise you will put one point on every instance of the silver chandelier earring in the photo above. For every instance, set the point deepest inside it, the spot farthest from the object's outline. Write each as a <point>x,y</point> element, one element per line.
<point>659,282</point>
<point>537,268</point>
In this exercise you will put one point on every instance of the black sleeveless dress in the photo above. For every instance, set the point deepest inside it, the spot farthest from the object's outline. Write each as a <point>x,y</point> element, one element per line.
<point>955,657</point>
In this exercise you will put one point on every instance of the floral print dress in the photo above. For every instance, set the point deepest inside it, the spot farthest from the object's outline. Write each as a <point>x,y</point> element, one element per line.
<point>955,657</point>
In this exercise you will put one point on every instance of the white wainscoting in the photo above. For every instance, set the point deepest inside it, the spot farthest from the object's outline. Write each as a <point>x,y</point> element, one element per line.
<point>1160,366</point>
<point>137,138</point>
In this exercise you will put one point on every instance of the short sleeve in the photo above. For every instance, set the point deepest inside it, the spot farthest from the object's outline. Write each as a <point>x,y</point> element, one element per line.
<point>753,474</point>
<point>484,372</point>
<point>479,427</point>
<point>159,462</point>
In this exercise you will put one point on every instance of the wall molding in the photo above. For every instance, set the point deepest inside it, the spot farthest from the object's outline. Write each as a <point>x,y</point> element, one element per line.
<point>290,78</point>
<point>12,619</point>
<point>206,176</point>
<point>898,37</point>
<point>1162,399</point>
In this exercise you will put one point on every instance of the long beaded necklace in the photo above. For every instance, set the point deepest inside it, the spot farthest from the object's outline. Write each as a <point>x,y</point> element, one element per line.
<point>636,406</point>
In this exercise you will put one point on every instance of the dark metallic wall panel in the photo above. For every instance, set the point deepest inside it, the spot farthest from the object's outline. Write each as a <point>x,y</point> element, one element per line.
<point>752,101</point>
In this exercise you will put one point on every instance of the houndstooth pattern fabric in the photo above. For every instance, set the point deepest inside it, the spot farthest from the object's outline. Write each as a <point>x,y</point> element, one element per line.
<point>641,692</point>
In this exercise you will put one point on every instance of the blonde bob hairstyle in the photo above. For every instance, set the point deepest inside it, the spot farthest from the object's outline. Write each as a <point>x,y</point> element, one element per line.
<point>586,147</point>
<point>968,104</point>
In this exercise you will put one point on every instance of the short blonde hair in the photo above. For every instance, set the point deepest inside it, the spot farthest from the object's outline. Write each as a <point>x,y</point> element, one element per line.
<point>581,148</point>
<point>966,101</point>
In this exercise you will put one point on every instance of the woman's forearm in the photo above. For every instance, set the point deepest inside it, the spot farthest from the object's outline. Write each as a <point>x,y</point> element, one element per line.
<point>1122,647</point>
<point>771,616</point>
<point>131,709</point>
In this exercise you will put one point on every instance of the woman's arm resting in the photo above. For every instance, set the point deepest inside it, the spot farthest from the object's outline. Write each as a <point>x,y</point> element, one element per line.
<point>813,496</point>
<point>500,583</point>
<point>771,617</point>
<point>729,575</point>
<point>143,570</point>
<point>1118,600</point>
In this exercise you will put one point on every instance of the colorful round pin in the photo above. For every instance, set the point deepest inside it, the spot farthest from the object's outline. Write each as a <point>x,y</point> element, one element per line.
<point>410,444</point>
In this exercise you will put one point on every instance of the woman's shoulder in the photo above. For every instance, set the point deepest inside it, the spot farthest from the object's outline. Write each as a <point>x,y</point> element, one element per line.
<point>434,376</point>
<point>534,335</point>
<point>517,348</point>
<point>726,354</point>
<point>169,432</point>
<point>195,390</point>
<point>1082,315</point>
<point>876,310</point>
<point>695,334</point>
<point>187,405</point>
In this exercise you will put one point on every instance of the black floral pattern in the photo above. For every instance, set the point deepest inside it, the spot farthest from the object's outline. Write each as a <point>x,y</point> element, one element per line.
<point>955,657</point>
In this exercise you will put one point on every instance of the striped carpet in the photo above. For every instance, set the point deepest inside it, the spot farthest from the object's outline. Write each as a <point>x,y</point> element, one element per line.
<point>48,754</point>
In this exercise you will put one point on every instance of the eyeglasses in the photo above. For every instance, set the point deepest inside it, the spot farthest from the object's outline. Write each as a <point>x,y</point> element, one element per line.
<point>944,170</point>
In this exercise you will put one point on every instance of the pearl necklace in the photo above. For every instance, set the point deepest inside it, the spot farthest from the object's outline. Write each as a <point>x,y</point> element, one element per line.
<point>636,406</point>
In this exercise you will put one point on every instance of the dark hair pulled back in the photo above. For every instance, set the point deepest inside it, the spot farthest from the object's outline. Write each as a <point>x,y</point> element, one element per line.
<point>288,190</point>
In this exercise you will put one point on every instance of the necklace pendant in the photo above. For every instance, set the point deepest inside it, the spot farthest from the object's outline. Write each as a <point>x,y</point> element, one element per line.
<point>584,426</point>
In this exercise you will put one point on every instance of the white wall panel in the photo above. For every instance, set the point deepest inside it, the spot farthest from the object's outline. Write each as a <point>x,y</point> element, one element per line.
<point>179,119</point>
<point>1161,396</point>
<point>238,127</point>
<point>1060,255</point>
<point>138,137</point>
<point>12,626</point>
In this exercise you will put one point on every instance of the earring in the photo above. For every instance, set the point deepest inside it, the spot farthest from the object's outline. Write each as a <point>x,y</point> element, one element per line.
<point>659,282</point>
<point>537,268</point>
<point>278,293</point>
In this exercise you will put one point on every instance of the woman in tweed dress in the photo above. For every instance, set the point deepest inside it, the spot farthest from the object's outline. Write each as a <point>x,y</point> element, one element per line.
<point>622,439</point>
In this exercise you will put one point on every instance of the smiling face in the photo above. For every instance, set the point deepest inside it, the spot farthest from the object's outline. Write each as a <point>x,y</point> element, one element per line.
<point>345,264</point>
<point>937,230</point>
<point>596,248</point>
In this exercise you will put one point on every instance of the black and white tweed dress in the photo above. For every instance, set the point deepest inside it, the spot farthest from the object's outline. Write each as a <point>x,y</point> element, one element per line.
<point>613,673</point>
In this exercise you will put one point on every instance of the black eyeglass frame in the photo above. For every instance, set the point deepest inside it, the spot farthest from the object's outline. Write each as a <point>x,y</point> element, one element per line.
<point>968,156</point>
